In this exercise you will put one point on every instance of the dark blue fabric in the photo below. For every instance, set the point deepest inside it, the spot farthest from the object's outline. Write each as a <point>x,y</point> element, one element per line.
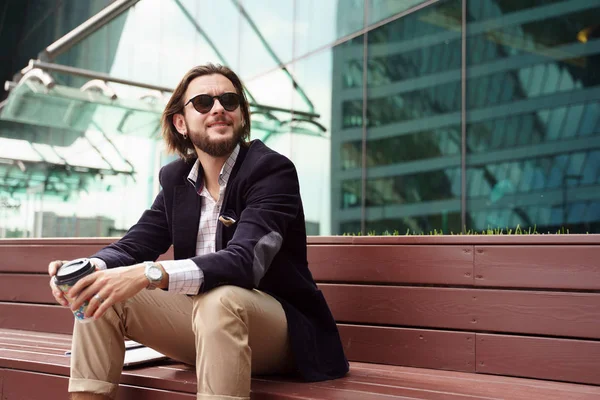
<point>263,196</point>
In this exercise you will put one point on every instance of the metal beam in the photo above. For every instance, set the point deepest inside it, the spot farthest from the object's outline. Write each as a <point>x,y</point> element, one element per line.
<point>91,75</point>
<point>107,78</point>
<point>271,52</point>
<point>84,30</point>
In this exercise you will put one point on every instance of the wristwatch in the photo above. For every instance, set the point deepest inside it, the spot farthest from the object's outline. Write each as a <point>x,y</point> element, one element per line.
<point>154,274</point>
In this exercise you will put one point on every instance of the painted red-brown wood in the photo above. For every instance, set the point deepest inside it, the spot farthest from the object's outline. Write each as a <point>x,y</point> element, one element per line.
<point>35,336</point>
<point>364,379</point>
<point>24,385</point>
<point>476,385</point>
<point>423,348</point>
<point>535,357</point>
<point>36,317</point>
<point>444,265</point>
<point>562,267</point>
<point>535,312</point>
<point>34,258</point>
<point>26,288</point>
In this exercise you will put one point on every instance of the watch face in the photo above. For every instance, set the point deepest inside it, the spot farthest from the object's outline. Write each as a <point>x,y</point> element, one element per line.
<point>155,273</point>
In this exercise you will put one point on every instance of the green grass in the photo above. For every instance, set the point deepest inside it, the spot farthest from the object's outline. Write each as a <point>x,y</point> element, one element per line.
<point>490,231</point>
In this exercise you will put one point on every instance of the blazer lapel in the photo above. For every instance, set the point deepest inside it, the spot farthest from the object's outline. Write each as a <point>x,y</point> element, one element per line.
<point>186,217</point>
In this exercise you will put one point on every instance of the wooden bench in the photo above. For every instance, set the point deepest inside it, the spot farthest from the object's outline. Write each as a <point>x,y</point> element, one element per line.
<point>440,317</point>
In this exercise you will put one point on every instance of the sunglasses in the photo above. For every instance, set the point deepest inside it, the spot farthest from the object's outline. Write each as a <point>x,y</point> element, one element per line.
<point>203,103</point>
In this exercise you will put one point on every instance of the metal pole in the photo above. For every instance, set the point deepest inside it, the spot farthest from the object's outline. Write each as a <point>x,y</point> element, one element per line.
<point>463,117</point>
<point>365,102</point>
<point>91,75</point>
<point>84,30</point>
<point>107,78</point>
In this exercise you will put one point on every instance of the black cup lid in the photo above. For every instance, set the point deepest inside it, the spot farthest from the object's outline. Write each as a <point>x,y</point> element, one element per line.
<point>74,269</point>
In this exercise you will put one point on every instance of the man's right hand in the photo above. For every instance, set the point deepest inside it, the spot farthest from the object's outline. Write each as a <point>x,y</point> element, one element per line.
<point>56,292</point>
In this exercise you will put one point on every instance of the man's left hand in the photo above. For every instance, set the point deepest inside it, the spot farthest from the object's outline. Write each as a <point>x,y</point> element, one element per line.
<point>111,286</point>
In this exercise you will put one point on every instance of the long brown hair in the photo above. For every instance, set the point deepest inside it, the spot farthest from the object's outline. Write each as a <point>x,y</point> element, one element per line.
<point>175,141</point>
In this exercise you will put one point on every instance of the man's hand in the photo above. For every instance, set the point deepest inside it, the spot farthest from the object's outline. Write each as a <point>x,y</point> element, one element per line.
<point>112,286</point>
<point>56,292</point>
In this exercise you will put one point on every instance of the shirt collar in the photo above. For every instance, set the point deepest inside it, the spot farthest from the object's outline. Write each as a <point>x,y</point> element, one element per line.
<point>223,175</point>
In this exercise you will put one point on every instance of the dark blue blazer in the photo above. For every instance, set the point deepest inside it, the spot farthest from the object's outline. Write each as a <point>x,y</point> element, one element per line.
<point>265,248</point>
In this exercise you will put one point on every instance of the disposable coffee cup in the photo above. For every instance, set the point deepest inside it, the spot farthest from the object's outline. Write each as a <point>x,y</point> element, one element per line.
<point>68,275</point>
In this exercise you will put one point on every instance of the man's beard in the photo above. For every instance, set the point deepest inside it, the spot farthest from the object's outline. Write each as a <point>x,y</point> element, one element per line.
<point>215,148</point>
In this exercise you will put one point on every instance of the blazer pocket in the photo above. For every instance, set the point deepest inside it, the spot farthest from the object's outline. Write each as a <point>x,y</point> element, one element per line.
<point>228,220</point>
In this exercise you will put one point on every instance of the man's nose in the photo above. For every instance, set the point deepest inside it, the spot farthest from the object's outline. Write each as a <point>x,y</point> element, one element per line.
<point>217,108</point>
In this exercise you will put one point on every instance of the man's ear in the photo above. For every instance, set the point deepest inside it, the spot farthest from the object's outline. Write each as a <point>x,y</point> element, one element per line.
<point>179,122</point>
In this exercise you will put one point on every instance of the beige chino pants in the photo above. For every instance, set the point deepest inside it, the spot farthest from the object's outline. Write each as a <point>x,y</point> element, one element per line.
<point>228,333</point>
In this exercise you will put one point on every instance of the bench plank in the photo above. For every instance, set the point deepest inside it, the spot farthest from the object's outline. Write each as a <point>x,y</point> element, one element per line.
<point>365,381</point>
<point>448,265</point>
<point>543,358</point>
<point>447,350</point>
<point>531,312</point>
<point>486,386</point>
<point>18,385</point>
<point>527,266</point>
<point>36,317</point>
<point>26,288</point>
<point>34,258</point>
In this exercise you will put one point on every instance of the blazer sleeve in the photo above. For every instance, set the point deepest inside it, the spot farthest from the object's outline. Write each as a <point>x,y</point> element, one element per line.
<point>272,202</point>
<point>145,241</point>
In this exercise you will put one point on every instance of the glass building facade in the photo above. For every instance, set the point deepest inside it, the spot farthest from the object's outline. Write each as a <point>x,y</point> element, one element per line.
<point>399,115</point>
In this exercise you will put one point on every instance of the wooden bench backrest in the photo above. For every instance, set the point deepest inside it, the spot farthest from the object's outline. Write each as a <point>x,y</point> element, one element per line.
<point>525,306</point>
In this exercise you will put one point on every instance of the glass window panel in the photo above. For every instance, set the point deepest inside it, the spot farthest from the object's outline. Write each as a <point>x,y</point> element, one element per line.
<point>526,178</point>
<point>543,56</point>
<point>591,169</point>
<point>350,228</point>
<point>351,194</point>
<point>271,21</point>
<point>407,84</point>
<point>416,146</point>
<point>382,9</point>
<point>589,118</point>
<point>321,22</point>
<point>215,22</point>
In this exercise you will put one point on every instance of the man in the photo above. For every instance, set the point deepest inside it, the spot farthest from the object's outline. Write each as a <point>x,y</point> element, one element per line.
<point>239,298</point>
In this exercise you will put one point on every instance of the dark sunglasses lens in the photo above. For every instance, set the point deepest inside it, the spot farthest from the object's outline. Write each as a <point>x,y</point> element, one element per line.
<point>229,101</point>
<point>203,103</point>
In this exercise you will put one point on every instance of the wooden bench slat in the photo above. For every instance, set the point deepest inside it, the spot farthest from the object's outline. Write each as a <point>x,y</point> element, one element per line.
<point>13,345</point>
<point>32,385</point>
<point>543,358</point>
<point>373,390</point>
<point>451,265</point>
<point>36,317</point>
<point>36,336</point>
<point>34,258</point>
<point>363,379</point>
<point>527,266</point>
<point>530,312</point>
<point>28,384</point>
<point>448,350</point>
<point>26,288</point>
<point>472,384</point>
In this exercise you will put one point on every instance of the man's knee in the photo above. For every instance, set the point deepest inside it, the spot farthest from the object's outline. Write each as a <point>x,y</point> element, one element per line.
<point>212,309</point>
